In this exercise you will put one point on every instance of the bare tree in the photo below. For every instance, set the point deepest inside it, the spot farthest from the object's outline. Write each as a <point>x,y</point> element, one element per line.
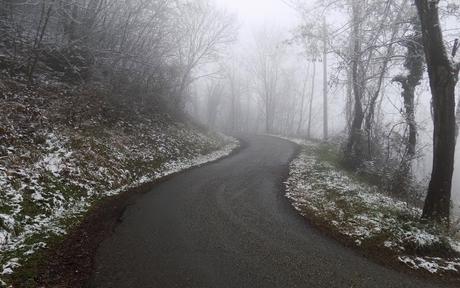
<point>367,64</point>
<point>215,94</point>
<point>45,14</point>
<point>353,147</point>
<point>443,76</point>
<point>201,32</point>
<point>303,95</point>
<point>235,82</point>
<point>267,69</point>
<point>325,80</point>
<point>395,18</point>
<point>310,104</point>
<point>314,36</point>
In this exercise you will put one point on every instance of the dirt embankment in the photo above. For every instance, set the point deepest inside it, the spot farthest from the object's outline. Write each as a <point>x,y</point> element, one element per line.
<point>63,149</point>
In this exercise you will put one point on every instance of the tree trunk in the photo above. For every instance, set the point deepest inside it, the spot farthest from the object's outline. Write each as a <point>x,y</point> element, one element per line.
<point>458,116</point>
<point>353,149</point>
<point>42,25</point>
<point>310,107</point>
<point>267,114</point>
<point>325,110</point>
<point>232,105</point>
<point>71,24</point>
<point>349,103</point>
<point>414,66</point>
<point>443,79</point>
<point>302,104</point>
<point>3,9</point>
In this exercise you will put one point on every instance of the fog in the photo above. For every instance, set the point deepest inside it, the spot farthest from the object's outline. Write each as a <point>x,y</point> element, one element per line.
<point>273,23</point>
<point>325,108</point>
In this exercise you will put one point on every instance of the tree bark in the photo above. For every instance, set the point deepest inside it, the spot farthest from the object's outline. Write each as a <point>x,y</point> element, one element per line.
<point>43,24</point>
<point>353,148</point>
<point>458,116</point>
<point>349,103</point>
<point>325,96</point>
<point>310,106</point>
<point>443,79</point>
<point>414,65</point>
<point>302,104</point>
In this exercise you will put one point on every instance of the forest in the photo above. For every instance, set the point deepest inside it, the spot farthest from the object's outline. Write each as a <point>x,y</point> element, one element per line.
<point>371,64</point>
<point>99,98</point>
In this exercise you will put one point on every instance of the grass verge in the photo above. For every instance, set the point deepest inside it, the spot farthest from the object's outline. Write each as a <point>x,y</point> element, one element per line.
<point>348,207</point>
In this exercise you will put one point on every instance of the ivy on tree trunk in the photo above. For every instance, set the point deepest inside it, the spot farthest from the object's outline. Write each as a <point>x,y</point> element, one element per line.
<point>443,74</point>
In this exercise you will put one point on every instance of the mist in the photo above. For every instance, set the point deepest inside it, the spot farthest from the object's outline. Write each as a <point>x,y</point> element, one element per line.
<point>278,22</point>
<point>229,143</point>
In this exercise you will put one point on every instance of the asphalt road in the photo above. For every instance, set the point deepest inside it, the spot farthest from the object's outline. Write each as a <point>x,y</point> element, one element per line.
<point>227,224</point>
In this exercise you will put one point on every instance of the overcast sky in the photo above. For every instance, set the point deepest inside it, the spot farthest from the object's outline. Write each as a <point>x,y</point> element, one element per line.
<point>253,14</point>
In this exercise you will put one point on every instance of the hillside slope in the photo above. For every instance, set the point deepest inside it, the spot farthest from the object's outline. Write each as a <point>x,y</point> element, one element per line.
<point>64,148</point>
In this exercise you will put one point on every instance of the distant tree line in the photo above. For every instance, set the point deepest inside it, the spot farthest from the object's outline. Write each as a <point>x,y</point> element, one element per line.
<point>375,57</point>
<point>140,47</point>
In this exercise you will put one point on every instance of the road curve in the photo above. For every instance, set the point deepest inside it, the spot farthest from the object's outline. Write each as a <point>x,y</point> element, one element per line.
<point>227,224</point>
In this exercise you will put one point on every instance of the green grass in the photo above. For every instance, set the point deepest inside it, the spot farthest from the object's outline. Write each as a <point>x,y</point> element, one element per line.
<point>26,275</point>
<point>331,154</point>
<point>30,207</point>
<point>328,153</point>
<point>329,157</point>
<point>5,209</point>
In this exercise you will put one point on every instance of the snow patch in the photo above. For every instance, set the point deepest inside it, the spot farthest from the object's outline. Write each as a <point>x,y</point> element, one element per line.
<point>362,212</point>
<point>38,198</point>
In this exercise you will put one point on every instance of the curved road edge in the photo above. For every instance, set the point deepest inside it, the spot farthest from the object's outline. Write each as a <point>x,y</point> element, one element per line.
<point>70,261</point>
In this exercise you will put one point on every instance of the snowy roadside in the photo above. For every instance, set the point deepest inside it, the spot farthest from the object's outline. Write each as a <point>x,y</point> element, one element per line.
<point>42,197</point>
<point>363,215</point>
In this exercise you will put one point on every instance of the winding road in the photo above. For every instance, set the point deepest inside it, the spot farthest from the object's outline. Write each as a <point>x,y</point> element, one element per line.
<point>227,224</point>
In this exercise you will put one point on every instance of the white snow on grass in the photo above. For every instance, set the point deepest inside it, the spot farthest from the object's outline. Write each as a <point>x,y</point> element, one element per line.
<point>43,192</point>
<point>298,141</point>
<point>319,189</point>
<point>431,264</point>
<point>55,160</point>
